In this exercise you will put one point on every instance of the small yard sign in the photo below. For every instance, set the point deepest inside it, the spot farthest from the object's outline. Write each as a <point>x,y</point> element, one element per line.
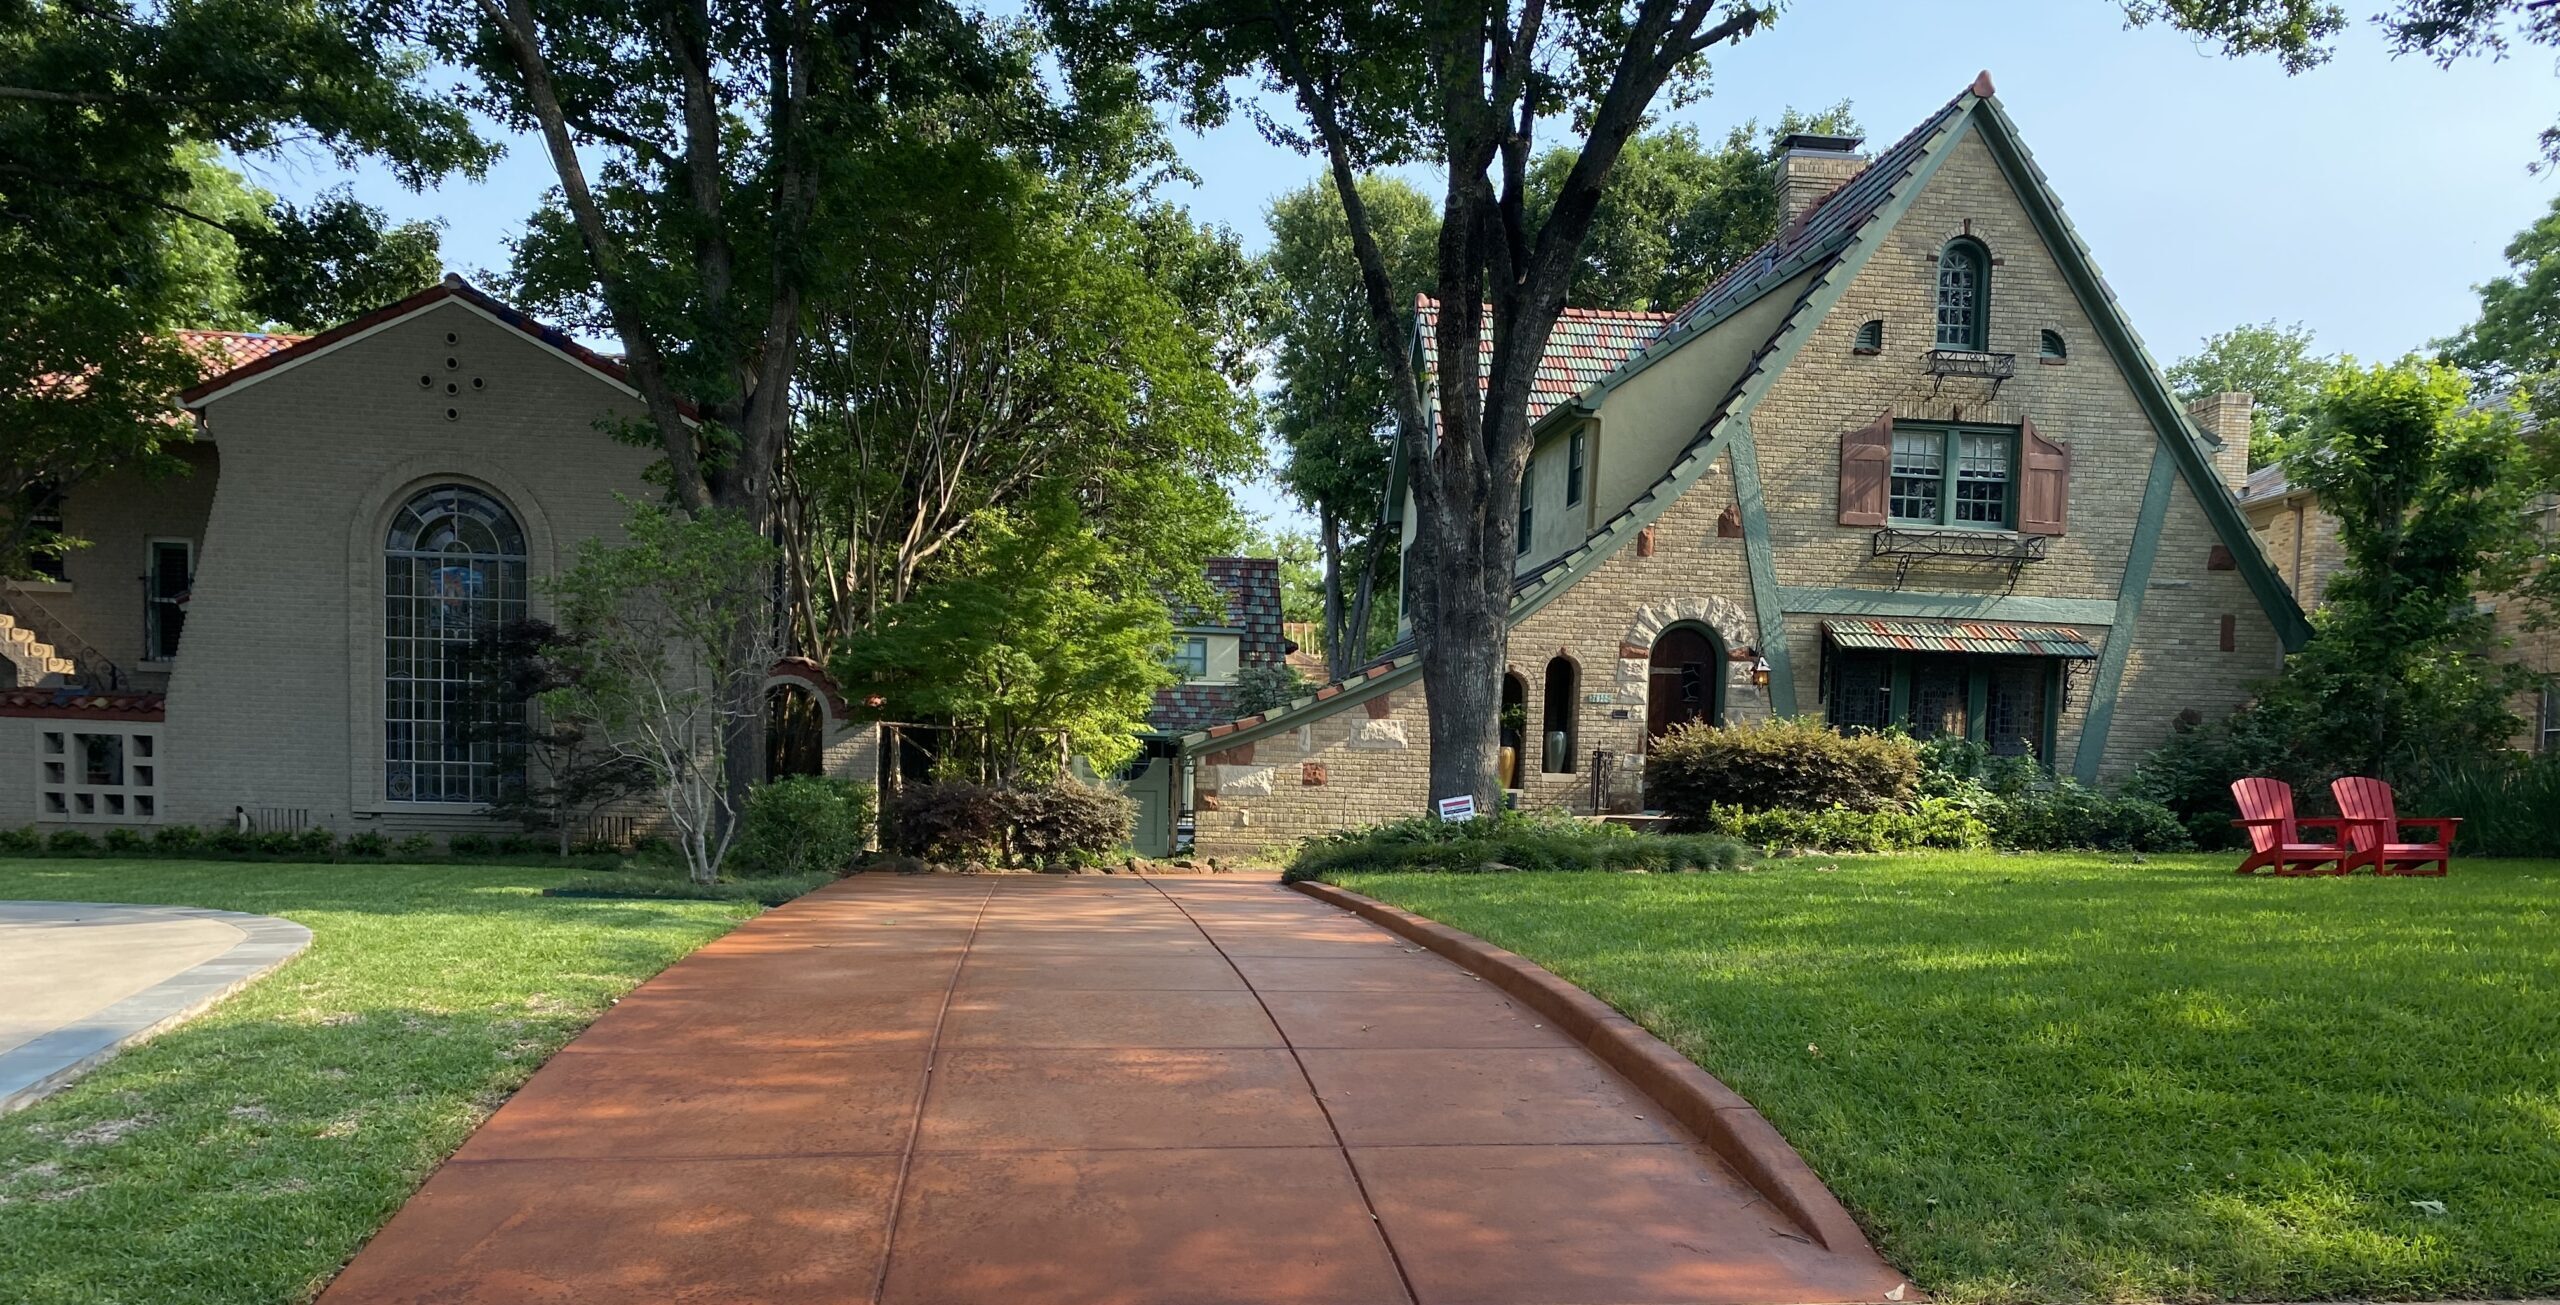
<point>1456,809</point>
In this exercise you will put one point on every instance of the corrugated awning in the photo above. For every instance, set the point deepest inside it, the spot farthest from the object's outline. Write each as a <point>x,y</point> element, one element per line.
<point>1991,638</point>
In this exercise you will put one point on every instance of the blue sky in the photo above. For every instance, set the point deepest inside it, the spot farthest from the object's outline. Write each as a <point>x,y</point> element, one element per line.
<point>2363,199</point>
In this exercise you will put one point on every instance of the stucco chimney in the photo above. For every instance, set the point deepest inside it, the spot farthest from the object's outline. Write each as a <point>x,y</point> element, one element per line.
<point>2224,418</point>
<point>1810,167</point>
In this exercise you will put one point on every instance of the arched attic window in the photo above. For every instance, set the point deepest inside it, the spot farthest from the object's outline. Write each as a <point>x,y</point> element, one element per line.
<point>1870,337</point>
<point>2050,348</point>
<point>1964,295</point>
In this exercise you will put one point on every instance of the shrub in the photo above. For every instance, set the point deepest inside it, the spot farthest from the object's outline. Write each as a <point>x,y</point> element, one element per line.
<point>1940,822</point>
<point>2067,814</point>
<point>2191,774</point>
<point>804,825</point>
<point>368,843</point>
<point>1795,764</point>
<point>1067,823</point>
<point>1507,840</point>
<point>314,844</point>
<point>230,842</point>
<point>953,820</point>
<point>126,841</point>
<point>2508,802</point>
<point>471,845</point>
<point>176,840</point>
<point>70,842</point>
<point>22,841</point>
<point>523,845</point>
<point>415,845</point>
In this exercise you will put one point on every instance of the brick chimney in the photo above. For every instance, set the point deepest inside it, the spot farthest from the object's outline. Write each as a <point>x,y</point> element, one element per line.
<point>2224,419</point>
<point>1810,167</point>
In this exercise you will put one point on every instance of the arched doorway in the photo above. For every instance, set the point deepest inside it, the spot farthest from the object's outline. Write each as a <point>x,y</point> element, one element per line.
<point>1685,682</point>
<point>795,728</point>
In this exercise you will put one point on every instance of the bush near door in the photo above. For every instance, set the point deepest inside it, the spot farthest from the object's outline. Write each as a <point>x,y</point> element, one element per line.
<point>1797,764</point>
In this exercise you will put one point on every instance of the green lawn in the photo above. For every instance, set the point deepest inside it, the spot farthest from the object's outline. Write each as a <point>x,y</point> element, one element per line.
<point>244,1156</point>
<point>2075,1078</point>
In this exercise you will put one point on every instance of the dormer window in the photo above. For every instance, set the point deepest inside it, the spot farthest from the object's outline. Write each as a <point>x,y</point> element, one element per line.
<point>1964,295</point>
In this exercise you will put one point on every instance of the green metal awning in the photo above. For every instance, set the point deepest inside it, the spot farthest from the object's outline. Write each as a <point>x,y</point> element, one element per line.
<point>1982,638</point>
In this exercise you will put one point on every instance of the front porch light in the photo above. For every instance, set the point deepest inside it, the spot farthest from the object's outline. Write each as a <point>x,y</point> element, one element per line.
<point>1759,671</point>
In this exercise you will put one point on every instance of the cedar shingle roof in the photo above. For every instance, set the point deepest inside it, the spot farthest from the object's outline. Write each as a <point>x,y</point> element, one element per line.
<point>1585,347</point>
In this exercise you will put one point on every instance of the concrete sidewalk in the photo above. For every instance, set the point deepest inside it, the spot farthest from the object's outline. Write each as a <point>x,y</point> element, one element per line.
<point>1090,1089</point>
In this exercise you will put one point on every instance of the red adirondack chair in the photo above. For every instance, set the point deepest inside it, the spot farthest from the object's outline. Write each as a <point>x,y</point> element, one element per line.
<point>2374,826</point>
<point>2275,836</point>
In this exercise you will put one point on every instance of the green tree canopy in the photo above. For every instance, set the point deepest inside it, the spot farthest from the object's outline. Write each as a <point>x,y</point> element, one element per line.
<point>1017,313</point>
<point>2274,364</point>
<point>1030,645</point>
<point>1333,407</point>
<point>2428,495</point>
<point>1678,211</point>
<point>114,222</point>
<point>2517,334</point>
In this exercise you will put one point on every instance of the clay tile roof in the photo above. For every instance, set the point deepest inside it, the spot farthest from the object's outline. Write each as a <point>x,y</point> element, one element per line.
<point>224,350</point>
<point>1587,345</point>
<point>81,704</point>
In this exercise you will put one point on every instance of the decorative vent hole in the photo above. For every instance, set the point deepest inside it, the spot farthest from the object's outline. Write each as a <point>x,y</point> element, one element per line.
<point>453,414</point>
<point>452,364</point>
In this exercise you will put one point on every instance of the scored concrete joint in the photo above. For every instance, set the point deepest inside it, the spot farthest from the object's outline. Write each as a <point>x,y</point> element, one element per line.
<point>48,1062</point>
<point>1717,1114</point>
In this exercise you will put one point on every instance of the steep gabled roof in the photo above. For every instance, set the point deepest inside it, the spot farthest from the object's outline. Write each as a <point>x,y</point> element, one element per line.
<point>271,362</point>
<point>223,351</point>
<point>1586,346</point>
<point>1251,588</point>
<point>1836,238</point>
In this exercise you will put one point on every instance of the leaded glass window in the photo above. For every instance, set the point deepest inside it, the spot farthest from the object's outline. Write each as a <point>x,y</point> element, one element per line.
<point>1962,272</point>
<point>1191,656</point>
<point>2013,709</point>
<point>1919,474</point>
<point>1862,692</point>
<point>453,568</point>
<point>1982,478</point>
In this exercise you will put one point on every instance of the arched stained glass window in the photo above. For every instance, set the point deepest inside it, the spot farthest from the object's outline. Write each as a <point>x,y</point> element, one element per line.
<point>453,568</point>
<point>1964,296</point>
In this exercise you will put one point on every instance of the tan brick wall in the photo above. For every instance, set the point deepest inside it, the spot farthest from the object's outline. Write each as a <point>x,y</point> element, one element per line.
<point>2301,542</point>
<point>1351,767</point>
<point>277,698</point>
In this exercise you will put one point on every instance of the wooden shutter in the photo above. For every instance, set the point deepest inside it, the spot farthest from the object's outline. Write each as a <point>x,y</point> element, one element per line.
<point>1866,466</point>
<point>2044,483</point>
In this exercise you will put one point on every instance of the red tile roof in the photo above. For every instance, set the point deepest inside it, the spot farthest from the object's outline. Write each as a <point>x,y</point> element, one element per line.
<point>452,287</point>
<point>224,350</point>
<point>82,704</point>
<point>1585,347</point>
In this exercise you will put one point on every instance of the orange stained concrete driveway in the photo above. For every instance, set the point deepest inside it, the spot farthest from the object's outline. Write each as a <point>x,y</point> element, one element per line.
<point>1084,1091</point>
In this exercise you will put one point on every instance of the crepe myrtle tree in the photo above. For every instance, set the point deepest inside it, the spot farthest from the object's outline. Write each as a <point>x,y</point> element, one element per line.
<point>1468,84</point>
<point>653,665</point>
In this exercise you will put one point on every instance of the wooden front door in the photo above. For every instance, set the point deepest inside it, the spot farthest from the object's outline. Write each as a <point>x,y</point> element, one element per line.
<point>1687,681</point>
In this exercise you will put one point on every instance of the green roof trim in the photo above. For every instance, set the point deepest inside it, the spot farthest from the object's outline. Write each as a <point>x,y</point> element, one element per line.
<point>1386,677</point>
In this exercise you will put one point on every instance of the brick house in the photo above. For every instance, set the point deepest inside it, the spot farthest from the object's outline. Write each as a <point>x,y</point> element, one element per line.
<point>274,639</point>
<point>1907,463</point>
<point>1211,651</point>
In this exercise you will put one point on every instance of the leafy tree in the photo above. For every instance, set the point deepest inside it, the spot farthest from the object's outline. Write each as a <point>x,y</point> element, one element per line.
<point>1678,212</point>
<point>111,213</point>
<point>1333,411</point>
<point>1266,688</point>
<point>1377,85</point>
<point>2426,489</point>
<point>653,666</point>
<point>2298,32</point>
<point>1029,645</point>
<point>693,144</point>
<point>2275,365</point>
<point>1016,313</point>
<point>2517,336</point>
<point>1301,574</point>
